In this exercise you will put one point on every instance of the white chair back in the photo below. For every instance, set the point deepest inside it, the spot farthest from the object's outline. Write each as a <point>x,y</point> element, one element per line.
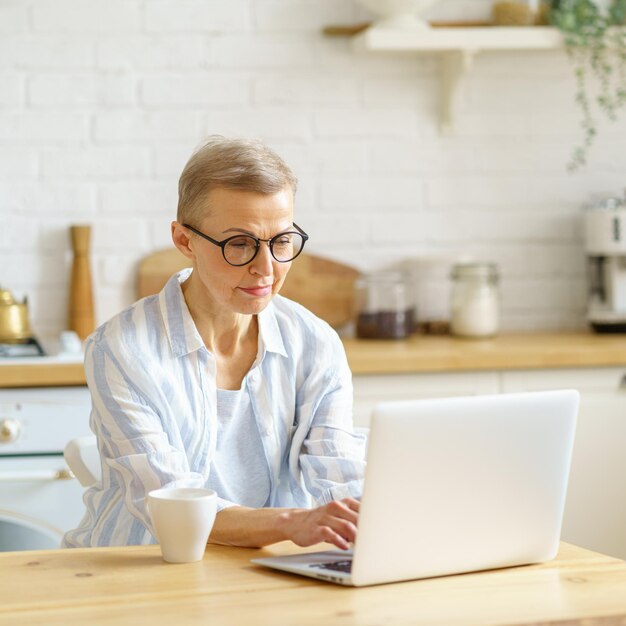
<point>83,458</point>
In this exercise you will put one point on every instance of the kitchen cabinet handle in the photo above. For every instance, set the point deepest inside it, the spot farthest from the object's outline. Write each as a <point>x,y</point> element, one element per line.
<point>43,475</point>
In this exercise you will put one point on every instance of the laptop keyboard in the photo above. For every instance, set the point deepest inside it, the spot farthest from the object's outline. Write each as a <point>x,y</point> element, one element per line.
<point>336,566</point>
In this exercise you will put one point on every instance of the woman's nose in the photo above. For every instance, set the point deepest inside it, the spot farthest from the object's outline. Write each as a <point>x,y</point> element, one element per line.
<point>263,262</point>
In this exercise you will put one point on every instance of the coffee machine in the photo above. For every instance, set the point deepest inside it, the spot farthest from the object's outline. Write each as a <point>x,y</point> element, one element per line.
<point>605,245</point>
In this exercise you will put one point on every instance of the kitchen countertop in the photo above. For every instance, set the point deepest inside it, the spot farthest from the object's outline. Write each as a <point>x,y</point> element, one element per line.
<point>43,371</point>
<point>131,585</point>
<point>419,353</point>
<point>427,353</point>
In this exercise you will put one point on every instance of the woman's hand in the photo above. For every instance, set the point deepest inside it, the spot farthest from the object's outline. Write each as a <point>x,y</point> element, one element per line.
<point>334,523</point>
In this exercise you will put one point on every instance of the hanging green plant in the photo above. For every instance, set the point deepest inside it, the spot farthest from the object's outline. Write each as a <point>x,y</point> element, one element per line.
<point>596,45</point>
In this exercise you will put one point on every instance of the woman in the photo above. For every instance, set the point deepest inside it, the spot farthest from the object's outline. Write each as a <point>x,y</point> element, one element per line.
<point>219,382</point>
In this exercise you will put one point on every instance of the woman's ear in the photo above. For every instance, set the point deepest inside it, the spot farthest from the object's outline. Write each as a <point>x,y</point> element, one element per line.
<point>181,239</point>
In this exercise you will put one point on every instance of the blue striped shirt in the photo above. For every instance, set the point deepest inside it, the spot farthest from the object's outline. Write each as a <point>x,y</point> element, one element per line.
<point>154,412</point>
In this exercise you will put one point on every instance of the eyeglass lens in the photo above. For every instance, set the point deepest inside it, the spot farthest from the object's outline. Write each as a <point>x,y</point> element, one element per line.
<point>285,247</point>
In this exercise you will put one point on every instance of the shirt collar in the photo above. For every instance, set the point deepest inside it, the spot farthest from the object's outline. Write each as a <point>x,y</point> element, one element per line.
<point>181,330</point>
<point>269,331</point>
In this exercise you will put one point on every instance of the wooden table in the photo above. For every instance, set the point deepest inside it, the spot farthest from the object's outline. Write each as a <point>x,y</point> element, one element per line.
<point>129,586</point>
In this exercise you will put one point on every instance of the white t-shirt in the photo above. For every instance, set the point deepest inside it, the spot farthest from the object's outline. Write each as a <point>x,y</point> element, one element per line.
<point>240,471</point>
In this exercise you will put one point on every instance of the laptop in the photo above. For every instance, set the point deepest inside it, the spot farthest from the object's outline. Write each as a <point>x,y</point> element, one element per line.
<point>455,485</point>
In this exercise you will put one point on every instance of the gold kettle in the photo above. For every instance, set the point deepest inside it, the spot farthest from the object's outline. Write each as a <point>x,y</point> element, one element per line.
<point>14,324</point>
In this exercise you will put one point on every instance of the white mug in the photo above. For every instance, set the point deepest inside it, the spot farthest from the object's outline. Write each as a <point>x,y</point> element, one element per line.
<point>182,518</point>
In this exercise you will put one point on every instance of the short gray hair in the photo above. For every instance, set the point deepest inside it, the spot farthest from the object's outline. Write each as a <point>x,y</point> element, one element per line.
<point>237,163</point>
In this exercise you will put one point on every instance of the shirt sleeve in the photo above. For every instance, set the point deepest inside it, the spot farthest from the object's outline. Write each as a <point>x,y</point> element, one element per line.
<point>132,438</point>
<point>332,457</point>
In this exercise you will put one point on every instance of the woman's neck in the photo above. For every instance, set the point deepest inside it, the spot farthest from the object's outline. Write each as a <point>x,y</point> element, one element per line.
<point>223,332</point>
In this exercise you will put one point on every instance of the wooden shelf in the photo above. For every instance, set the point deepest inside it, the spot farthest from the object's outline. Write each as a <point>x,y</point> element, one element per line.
<point>472,40</point>
<point>457,47</point>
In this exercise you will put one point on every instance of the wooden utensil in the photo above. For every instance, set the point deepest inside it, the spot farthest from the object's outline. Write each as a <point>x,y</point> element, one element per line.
<point>80,314</point>
<point>155,269</point>
<point>323,286</point>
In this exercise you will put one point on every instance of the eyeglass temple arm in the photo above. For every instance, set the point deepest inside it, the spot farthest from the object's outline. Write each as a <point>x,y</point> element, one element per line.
<point>195,230</point>
<point>300,231</point>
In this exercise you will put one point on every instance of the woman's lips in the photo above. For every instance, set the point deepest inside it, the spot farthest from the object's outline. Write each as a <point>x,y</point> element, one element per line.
<point>264,290</point>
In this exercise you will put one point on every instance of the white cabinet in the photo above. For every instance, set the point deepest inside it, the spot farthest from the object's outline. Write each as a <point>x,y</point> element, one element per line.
<point>595,515</point>
<point>370,389</point>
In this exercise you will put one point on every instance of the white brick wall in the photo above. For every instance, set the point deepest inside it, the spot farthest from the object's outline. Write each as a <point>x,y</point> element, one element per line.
<point>149,52</point>
<point>201,89</point>
<point>78,16</point>
<point>210,16</point>
<point>80,90</point>
<point>13,18</point>
<point>11,89</point>
<point>102,101</point>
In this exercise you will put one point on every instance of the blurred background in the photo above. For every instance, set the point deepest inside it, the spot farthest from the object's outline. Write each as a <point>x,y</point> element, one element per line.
<point>103,101</point>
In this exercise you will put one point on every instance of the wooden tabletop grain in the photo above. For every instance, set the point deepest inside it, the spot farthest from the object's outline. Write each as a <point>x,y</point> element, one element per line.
<point>132,585</point>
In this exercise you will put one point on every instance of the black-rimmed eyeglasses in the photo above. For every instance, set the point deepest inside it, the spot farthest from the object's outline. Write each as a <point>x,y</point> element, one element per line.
<point>241,249</point>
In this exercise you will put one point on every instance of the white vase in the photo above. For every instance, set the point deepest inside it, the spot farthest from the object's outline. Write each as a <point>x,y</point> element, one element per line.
<point>399,14</point>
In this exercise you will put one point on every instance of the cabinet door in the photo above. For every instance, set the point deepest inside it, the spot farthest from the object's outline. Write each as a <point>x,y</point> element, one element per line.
<point>371,389</point>
<point>595,512</point>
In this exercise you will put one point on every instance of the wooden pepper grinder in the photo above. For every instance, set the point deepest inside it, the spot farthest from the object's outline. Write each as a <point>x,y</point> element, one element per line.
<point>81,316</point>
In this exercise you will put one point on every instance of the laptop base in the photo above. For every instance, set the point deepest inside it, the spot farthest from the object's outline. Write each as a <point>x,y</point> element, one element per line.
<point>311,565</point>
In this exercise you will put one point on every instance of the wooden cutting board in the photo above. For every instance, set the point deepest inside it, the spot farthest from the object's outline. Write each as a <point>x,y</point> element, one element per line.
<point>323,286</point>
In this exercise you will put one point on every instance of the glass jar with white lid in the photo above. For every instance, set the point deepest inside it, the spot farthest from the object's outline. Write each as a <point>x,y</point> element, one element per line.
<point>475,300</point>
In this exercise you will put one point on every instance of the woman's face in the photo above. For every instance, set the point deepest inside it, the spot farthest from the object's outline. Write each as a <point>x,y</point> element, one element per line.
<point>249,288</point>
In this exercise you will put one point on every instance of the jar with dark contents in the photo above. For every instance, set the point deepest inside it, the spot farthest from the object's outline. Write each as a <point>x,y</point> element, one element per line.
<point>385,306</point>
